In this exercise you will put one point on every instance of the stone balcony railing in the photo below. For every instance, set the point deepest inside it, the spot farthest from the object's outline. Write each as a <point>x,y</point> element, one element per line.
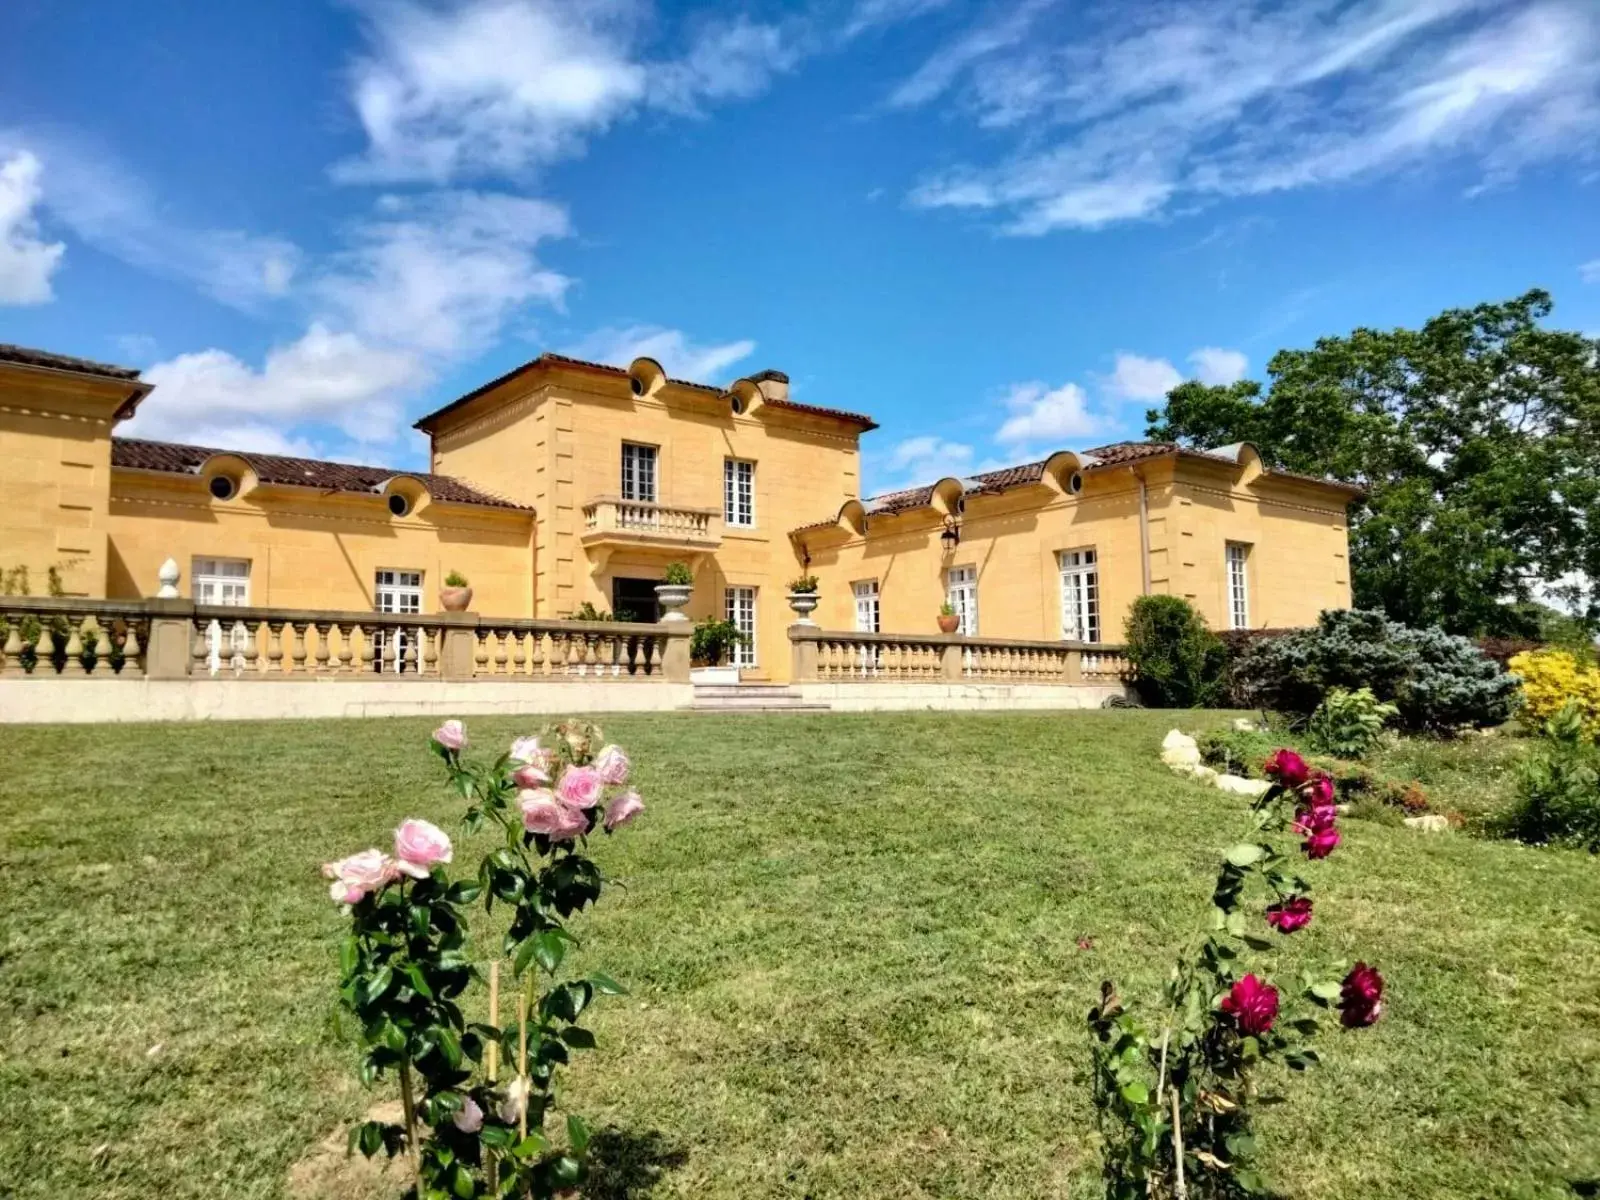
<point>49,637</point>
<point>634,522</point>
<point>831,656</point>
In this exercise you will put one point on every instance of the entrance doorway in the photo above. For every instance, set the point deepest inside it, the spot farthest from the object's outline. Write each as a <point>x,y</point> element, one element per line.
<point>635,600</point>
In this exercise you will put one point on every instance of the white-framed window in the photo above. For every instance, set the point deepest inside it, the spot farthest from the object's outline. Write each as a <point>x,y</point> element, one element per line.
<point>222,581</point>
<point>1238,585</point>
<point>395,591</point>
<point>740,608</point>
<point>638,473</point>
<point>867,609</point>
<point>961,590</point>
<point>738,492</point>
<point>1080,595</point>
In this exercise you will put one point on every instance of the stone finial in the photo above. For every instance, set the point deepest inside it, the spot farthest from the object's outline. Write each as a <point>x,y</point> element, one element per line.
<point>169,574</point>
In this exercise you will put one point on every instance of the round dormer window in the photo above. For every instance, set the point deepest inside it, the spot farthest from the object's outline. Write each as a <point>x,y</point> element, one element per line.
<point>1075,483</point>
<point>223,487</point>
<point>735,403</point>
<point>399,505</point>
<point>636,385</point>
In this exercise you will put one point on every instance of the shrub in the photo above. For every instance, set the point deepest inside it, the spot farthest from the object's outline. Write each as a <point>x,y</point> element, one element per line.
<point>1175,1100</point>
<point>1236,751</point>
<point>804,585</point>
<point>1552,679</point>
<point>1348,724</point>
<point>455,579</point>
<point>713,639</point>
<point>1177,661</point>
<point>1438,682</point>
<point>678,574</point>
<point>475,1096</point>
<point>1558,790</point>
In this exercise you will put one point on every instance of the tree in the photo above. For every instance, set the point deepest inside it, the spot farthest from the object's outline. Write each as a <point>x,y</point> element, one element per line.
<point>1477,438</point>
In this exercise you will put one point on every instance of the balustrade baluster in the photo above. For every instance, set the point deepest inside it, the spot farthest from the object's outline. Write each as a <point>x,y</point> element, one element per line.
<point>132,652</point>
<point>297,652</point>
<point>324,655</point>
<point>501,656</point>
<point>275,647</point>
<point>480,653</point>
<point>11,653</point>
<point>200,649</point>
<point>432,640</point>
<point>409,654</point>
<point>252,647</point>
<point>73,664</point>
<point>536,661</point>
<point>519,655</point>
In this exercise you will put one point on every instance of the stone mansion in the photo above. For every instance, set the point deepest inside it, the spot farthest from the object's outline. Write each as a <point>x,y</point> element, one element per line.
<point>564,483</point>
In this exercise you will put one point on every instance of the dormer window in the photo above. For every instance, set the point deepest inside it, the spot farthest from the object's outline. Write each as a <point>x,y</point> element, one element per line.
<point>223,487</point>
<point>399,505</point>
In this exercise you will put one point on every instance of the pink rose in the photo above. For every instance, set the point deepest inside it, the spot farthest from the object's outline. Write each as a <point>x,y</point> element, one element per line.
<point>1321,843</point>
<point>1320,793</point>
<point>358,876</point>
<point>452,735</point>
<point>469,1118</point>
<point>613,765</point>
<point>420,845</point>
<point>574,821</point>
<point>526,750</point>
<point>515,1101</point>
<point>530,775</point>
<point>1289,915</point>
<point>541,811</point>
<point>581,787</point>
<point>623,809</point>
<point>1361,997</point>
<point>1253,1003</point>
<point>1287,767</point>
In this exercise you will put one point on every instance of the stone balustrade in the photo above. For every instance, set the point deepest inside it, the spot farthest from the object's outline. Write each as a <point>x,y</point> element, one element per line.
<point>832,656</point>
<point>610,519</point>
<point>170,639</point>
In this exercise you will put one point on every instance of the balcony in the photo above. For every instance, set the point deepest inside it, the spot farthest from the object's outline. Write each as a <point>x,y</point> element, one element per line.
<point>610,524</point>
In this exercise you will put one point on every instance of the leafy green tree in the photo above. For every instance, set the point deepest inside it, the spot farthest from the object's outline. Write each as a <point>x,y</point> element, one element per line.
<point>1477,438</point>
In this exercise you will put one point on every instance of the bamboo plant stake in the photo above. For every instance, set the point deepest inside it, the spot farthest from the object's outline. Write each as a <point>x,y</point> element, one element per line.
<point>522,1056</point>
<point>494,1060</point>
<point>407,1103</point>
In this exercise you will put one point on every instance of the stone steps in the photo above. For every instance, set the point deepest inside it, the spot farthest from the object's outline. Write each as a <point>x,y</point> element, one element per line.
<point>751,697</point>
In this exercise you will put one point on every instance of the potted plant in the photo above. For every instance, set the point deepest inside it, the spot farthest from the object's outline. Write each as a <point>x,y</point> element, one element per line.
<point>711,643</point>
<point>673,591</point>
<point>803,598</point>
<point>456,594</point>
<point>949,622</point>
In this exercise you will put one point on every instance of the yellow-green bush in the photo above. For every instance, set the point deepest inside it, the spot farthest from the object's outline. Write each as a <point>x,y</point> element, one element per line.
<point>1550,678</point>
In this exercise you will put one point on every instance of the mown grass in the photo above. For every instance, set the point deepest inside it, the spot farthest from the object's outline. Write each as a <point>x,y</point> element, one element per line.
<point>852,944</point>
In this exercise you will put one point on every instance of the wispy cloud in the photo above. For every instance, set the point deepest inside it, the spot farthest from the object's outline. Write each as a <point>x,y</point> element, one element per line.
<point>1218,367</point>
<point>1176,102</point>
<point>27,260</point>
<point>1040,413</point>
<point>1135,377</point>
<point>678,355</point>
<point>1589,272</point>
<point>501,87</point>
<point>915,461</point>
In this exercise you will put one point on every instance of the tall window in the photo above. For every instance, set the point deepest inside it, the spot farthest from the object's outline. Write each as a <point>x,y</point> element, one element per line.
<point>395,592</point>
<point>223,581</point>
<point>740,605</point>
<point>1238,585</point>
<point>961,590</point>
<point>638,473</point>
<point>866,606</point>
<point>1080,596</point>
<point>738,492</point>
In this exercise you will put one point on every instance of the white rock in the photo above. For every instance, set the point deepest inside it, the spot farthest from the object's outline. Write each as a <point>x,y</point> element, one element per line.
<point>1430,823</point>
<point>1238,785</point>
<point>1203,773</point>
<point>1178,749</point>
<point>1244,725</point>
<point>1178,739</point>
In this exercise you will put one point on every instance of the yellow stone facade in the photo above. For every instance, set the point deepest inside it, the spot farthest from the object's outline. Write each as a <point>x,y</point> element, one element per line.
<point>565,483</point>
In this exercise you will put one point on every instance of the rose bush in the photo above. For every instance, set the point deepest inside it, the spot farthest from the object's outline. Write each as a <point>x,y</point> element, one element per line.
<point>1175,1099</point>
<point>476,1095</point>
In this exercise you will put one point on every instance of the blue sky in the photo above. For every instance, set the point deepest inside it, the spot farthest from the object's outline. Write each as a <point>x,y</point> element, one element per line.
<point>1000,228</point>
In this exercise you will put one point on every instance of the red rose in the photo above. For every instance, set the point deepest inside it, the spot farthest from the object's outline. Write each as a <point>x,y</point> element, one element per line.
<point>1287,767</point>
<point>1361,997</point>
<point>1320,844</point>
<point>1288,915</point>
<point>1253,1004</point>
<point>1320,793</point>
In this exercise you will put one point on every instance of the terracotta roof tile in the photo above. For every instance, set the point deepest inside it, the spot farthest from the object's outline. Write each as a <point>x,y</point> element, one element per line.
<point>548,359</point>
<point>140,455</point>
<point>64,362</point>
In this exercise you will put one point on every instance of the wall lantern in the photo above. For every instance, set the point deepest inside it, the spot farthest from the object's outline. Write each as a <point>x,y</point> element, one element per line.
<point>951,537</point>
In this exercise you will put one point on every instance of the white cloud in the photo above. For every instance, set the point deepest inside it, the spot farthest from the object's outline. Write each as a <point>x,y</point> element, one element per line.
<point>917,461</point>
<point>499,87</point>
<point>27,261</point>
<point>1155,105</point>
<point>874,14</point>
<point>678,356</point>
<point>1589,272</point>
<point>1137,378</point>
<point>213,398</point>
<point>1218,367</point>
<point>441,273</point>
<point>102,202</point>
<point>1042,414</point>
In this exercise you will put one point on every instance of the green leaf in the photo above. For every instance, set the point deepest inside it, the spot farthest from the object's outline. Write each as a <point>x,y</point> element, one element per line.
<point>419,981</point>
<point>550,947</point>
<point>577,1134</point>
<point>1236,923</point>
<point>606,986</point>
<point>449,1045</point>
<point>578,1038</point>
<point>524,956</point>
<point>498,1136</point>
<point>532,1145</point>
<point>1245,854</point>
<point>377,984</point>
<point>1327,991</point>
<point>1136,1093</point>
<point>349,954</point>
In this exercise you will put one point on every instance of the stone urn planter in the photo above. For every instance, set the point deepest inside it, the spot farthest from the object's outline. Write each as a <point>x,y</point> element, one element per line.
<point>803,604</point>
<point>455,599</point>
<point>672,597</point>
<point>949,622</point>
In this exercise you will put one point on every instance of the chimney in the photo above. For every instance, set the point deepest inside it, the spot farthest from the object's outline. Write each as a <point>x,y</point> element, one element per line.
<point>774,385</point>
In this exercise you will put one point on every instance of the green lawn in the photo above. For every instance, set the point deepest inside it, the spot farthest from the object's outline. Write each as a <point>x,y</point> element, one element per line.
<point>852,944</point>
